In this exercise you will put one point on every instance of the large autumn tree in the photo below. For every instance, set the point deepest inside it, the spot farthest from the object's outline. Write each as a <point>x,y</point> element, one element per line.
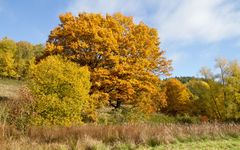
<point>124,58</point>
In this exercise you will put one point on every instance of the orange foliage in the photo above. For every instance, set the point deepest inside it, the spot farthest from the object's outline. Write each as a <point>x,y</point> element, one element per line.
<point>178,96</point>
<point>124,58</point>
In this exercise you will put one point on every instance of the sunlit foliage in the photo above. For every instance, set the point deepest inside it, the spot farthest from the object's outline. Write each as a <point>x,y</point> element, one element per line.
<point>123,57</point>
<point>61,91</point>
<point>178,97</point>
<point>16,57</point>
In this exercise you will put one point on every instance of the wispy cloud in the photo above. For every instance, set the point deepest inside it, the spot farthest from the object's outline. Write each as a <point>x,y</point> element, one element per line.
<point>178,20</point>
<point>205,20</point>
<point>134,8</point>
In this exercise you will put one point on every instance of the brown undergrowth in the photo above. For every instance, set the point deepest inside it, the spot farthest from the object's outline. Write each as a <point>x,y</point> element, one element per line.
<point>138,134</point>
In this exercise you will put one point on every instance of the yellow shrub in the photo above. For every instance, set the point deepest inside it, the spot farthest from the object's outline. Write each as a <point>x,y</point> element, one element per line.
<point>61,89</point>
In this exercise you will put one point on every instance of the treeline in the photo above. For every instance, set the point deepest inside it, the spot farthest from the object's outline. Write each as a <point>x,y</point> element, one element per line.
<point>93,63</point>
<point>16,57</point>
<point>216,96</point>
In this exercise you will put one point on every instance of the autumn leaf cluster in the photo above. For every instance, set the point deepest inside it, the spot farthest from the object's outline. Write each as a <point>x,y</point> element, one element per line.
<point>124,58</point>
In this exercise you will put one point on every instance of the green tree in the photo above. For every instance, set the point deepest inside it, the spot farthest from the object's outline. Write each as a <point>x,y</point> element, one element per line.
<point>38,50</point>
<point>207,98</point>
<point>24,56</point>
<point>221,99</point>
<point>233,91</point>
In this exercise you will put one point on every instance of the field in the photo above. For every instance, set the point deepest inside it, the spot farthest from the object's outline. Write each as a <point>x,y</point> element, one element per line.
<point>128,136</point>
<point>230,144</point>
<point>116,136</point>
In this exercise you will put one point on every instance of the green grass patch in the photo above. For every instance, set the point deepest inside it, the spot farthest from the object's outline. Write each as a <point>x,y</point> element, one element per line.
<point>221,144</point>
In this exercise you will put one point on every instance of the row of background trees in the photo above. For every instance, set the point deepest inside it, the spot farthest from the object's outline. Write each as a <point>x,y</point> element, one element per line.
<point>93,62</point>
<point>215,95</point>
<point>15,57</point>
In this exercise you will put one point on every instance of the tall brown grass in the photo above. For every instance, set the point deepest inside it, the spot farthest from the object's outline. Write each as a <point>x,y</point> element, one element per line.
<point>137,134</point>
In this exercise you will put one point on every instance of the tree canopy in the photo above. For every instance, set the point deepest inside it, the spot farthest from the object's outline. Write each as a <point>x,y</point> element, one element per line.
<point>178,97</point>
<point>124,58</point>
<point>15,57</point>
<point>61,92</point>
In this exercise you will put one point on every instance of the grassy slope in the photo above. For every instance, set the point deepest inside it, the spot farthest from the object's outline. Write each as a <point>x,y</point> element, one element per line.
<point>9,88</point>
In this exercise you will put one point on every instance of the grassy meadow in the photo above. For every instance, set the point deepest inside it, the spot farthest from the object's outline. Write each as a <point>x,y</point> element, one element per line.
<point>158,132</point>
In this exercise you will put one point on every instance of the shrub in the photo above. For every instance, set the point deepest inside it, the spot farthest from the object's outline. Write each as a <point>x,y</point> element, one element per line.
<point>161,118</point>
<point>61,89</point>
<point>20,109</point>
<point>120,116</point>
<point>187,119</point>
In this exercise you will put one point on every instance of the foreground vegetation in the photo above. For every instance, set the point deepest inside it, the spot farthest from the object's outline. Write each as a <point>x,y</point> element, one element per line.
<point>115,131</point>
<point>127,136</point>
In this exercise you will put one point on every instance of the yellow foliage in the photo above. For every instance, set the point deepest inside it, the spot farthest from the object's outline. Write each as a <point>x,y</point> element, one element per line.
<point>7,65</point>
<point>61,89</point>
<point>124,58</point>
<point>16,57</point>
<point>178,96</point>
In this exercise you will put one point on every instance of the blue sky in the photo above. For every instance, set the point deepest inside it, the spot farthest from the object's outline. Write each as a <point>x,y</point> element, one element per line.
<point>193,32</point>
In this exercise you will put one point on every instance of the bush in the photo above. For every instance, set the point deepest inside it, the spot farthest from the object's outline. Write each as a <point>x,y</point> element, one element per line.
<point>61,91</point>
<point>120,116</point>
<point>20,109</point>
<point>161,118</point>
<point>187,119</point>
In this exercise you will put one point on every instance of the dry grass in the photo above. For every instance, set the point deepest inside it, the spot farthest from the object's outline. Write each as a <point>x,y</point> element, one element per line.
<point>27,144</point>
<point>108,136</point>
<point>139,134</point>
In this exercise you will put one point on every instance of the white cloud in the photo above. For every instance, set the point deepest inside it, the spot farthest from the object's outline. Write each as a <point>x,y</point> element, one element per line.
<point>133,7</point>
<point>207,20</point>
<point>178,20</point>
